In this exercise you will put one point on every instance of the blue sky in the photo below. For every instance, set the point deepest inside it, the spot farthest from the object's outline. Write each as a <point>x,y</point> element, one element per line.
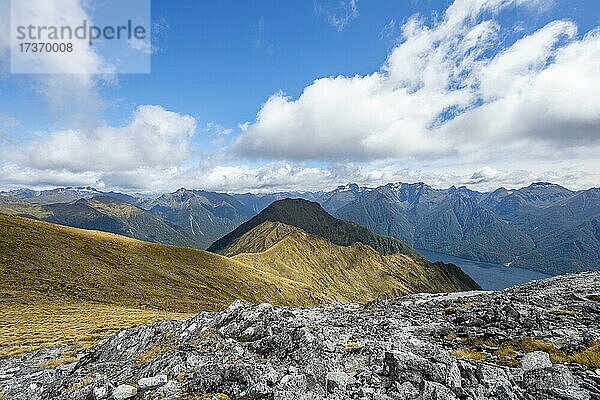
<point>218,62</point>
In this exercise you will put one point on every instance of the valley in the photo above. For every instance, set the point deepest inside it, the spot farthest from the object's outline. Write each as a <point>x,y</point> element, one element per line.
<point>300,200</point>
<point>64,285</point>
<point>76,272</point>
<point>544,227</point>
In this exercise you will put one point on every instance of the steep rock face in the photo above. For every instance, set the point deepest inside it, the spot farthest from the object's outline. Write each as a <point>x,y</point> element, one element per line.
<point>537,341</point>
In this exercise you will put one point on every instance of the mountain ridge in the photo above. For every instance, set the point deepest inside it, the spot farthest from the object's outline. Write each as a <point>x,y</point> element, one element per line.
<point>103,213</point>
<point>312,218</point>
<point>41,260</point>
<point>359,266</point>
<point>527,227</point>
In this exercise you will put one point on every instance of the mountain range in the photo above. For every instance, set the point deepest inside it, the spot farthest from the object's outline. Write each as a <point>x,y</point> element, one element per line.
<point>543,226</point>
<point>312,218</point>
<point>105,214</point>
<point>48,262</point>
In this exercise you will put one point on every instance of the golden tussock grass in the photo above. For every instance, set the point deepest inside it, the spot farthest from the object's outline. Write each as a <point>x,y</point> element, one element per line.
<point>78,385</point>
<point>352,346</point>
<point>27,327</point>
<point>470,354</point>
<point>527,345</point>
<point>166,344</point>
<point>563,312</point>
<point>210,396</point>
<point>57,362</point>
<point>589,357</point>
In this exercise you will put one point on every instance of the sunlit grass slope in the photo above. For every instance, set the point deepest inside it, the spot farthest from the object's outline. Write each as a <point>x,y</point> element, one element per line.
<point>355,273</point>
<point>62,284</point>
<point>39,260</point>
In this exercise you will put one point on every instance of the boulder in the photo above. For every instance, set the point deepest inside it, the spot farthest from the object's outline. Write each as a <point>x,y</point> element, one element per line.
<point>124,392</point>
<point>536,360</point>
<point>152,382</point>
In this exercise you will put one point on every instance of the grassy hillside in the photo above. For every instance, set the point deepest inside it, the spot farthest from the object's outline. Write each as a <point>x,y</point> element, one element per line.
<point>345,273</point>
<point>65,285</point>
<point>27,325</point>
<point>105,214</point>
<point>61,284</point>
<point>260,238</point>
<point>45,261</point>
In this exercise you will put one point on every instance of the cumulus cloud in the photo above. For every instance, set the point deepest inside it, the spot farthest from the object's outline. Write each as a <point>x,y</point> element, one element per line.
<point>451,105</point>
<point>446,90</point>
<point>488,178</point>
<point>154,137</point>
<point>220,174</point>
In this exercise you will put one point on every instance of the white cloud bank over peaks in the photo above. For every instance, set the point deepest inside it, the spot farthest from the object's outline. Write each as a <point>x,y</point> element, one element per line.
<point>450,90</point>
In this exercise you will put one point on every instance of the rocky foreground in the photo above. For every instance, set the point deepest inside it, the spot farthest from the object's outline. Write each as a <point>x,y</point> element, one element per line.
<point>537,341</point>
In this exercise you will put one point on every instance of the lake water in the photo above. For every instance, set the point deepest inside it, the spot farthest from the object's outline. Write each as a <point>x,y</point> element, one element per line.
<point>489,276</point>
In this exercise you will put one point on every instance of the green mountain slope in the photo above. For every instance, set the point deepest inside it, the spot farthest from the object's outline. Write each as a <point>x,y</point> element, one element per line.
<point>448,221</point>
<point>543,226</point>
<point>203,216</point>
<point>311,218</point>
<point>104,214</point>
<point>566,235</point>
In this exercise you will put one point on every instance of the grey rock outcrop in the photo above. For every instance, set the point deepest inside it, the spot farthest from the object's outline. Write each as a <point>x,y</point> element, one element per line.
<point>536,360</point>
<point>153,382</point>
<point>124,392</point>
<point>471,346</point>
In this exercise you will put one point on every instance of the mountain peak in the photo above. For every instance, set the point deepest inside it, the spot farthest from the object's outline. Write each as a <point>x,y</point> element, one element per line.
<point>312,218</point>
<point>349,187</point>
<point>542,184</point>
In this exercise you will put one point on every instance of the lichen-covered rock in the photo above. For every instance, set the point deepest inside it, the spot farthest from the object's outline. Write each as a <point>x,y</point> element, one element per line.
<point>536,360</point>
<point>124,392</point>
<point>471,346</point>
<point>152,382</point>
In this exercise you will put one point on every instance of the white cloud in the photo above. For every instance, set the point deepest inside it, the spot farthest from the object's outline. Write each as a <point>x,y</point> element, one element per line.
<point>155,137</point>
<point>284,176</point>
<point>446,91</point>
<point>448,106</point>
<point>388,31</point>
